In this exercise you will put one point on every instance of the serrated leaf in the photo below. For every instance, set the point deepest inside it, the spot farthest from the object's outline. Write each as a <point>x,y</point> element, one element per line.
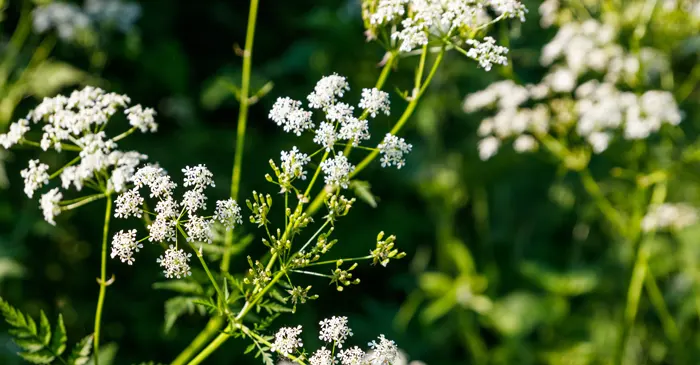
<point>36,343</point>
<point>362,190</point>
<point>271,308</point>
<point>40,357</point>
<point>177,307</point>
<point>44,329</point>
<point>250,348</point>
<point>180,286</point>
<point>59,338</point>
<point>81,352</point>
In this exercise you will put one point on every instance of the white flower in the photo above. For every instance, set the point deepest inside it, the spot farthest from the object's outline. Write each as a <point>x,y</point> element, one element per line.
<point>287,340</point>
<point>487,52</point>
<point>327,90</point>
<point>325,136</point>
<point>142,118</point>
<point>488,147</point>
<point>339,112</point>
<point>15,134</point>
<point>354,130</point>
<point>385,352</point>
<point>162,229</point>
<point>374,100</point>
<point>66,18</point>
<point>388,10</point>
<point>35,176</point>
<point>293,163</point>
<point>167,208</point>
<point>411,36</point>
<point>669,216</point>
<point>156,179</point>
<point>524,143</point>
<point>199,229</point>
<point>128,204</point>
<point>337,171</point>
<point>392,150</point>
<point>599,141</point>
<point>352,356</point>
<point>513,8</point>
<point>124,245</point>
<point>228,213</point>
<point>322,356</point>
<point>562,80</point>
<point>175,263</point>
<point>199,176</point>
<point>335,329</point>
<point>49,205</point>
<point>193,200</point>
<point>288,114</point>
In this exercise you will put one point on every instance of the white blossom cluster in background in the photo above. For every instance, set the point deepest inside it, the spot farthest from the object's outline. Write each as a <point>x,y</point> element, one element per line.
<point>411,24</point>
<point>334,332</point>
<point>76,123</point>
<point>669,216</point>
<point>68,19</point>
<point>171,216</point>
<point>567,98</point>
<point>338,128</point>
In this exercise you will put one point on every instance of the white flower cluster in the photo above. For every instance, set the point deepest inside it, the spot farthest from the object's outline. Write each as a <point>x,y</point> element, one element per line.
<point>69,19</point>
<point>598,108</point>
<point>669,216</point>
<point>170,214</point>
<point>339,124</point>
<point>335,331</point>
<point>413,23</point>
<point>77,123</point>
<point>124,245</point>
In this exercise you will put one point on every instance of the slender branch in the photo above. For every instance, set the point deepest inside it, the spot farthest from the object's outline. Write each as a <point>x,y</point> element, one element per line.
<point>124,135</point>
<point>87,200</point>
<point>59,171</point>
<point>102,281</point>
<point>602,202</point>
<point>216,323</point>
<point>344,260</point>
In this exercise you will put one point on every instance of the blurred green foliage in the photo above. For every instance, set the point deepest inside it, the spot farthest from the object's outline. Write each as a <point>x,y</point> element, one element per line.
<point>509,261</point>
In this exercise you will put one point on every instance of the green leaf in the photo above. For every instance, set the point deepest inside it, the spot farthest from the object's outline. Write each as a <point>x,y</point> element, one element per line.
<point>36,343</point>
<point>272,307</point>
<point>81,352</point>
<point>107,355</point>
<point>435,284</point>
<point>570,283</point>
<point>180,286</point>
<point>51,76</point>
<point>250,348</point>
<point>179,306</point>
<point>59,338</point>
<point>362,190</point>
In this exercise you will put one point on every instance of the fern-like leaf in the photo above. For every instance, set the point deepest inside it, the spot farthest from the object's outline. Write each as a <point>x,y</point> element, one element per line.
<point>40,344</point>
<point>178,306</point>
<point>81,352</point>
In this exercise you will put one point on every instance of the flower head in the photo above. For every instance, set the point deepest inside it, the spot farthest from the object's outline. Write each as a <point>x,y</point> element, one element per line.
<point>293,163</point>
<point>375,101</point>
<point>384,352</point>
<point>326,136</point>
<point>124,245</point>
<point>35,176</point>
<point>327,91</point>
<point>175,263</point>
<point>322,356</point>
<point>49,205</point>
<point>287,340</point>
<point>337,171</point>
<point>288,114</point>
<point>392,150</point>
<point>228,213</point>
<point>352,356</point>
<point>487,53</point>
<point>335,329</point>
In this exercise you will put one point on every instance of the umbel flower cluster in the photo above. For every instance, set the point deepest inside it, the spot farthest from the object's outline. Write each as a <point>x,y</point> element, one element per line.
<point>172,217</point>
<point>410,24</point>
<point>339,128</point>
<point>567,102</point>
<point>76,124</point>
<point>334,332</point>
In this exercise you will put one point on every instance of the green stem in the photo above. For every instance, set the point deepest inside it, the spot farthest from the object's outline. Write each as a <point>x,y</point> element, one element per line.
<point>406,114</point>
<point>657,300</point>
<point>603,203</point>
<point>59,171</point>
<point>344,260</point>
<point>216,323</point>
<point>87,200</point>
<point>103,280</point>
<point>218,341</point>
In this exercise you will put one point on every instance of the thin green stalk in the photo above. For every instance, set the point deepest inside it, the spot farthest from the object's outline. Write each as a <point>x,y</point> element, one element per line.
<point>344,260</point>
<point>657,300</point>
<point>216,323</point>
<point>87,200</point>
<point>102,281</point>
<point>406,114</point>
<point>218,341</point>
<point>602,202</point>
